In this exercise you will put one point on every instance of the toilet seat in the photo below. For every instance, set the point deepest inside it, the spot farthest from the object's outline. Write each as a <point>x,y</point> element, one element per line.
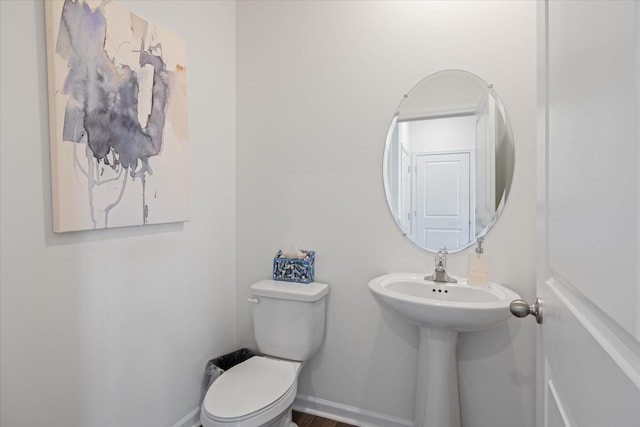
<point>251,393</point>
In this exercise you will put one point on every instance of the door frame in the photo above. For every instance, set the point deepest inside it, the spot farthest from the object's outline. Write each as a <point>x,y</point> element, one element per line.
<point>405,218</point>
<point>541,196</point>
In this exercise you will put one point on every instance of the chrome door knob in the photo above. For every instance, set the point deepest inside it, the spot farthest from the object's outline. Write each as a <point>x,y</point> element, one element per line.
<point>520,308</point>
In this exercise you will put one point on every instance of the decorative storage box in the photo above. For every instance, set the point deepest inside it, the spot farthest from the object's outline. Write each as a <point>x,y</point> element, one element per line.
<point>293,269</point>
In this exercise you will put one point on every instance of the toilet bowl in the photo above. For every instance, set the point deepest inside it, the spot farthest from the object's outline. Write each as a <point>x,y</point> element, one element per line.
<point>257,392</point>
<point>289,322</point>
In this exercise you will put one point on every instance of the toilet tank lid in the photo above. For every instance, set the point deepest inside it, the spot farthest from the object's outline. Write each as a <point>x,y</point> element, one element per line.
<point>290,290</point>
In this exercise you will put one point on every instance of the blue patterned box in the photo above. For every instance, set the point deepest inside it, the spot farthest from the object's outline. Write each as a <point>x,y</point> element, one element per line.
<point>292,269</point>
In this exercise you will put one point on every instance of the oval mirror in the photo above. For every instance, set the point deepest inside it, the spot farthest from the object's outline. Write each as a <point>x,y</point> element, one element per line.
<point>448,161</point>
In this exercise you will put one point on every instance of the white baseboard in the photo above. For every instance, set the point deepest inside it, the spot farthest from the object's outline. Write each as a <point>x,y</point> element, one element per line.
<point>346,414</point>
<point>192,419</point>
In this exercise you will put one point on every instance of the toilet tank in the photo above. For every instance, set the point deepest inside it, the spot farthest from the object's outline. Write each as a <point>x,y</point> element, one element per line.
<point>288,318</point>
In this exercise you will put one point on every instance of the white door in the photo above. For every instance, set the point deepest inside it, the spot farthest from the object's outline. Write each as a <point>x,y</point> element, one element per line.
<point>589,221</point>
<point>442,200</point>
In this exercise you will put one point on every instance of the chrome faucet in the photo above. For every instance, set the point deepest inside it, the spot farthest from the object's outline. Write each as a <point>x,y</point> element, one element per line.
<point>440,275</point>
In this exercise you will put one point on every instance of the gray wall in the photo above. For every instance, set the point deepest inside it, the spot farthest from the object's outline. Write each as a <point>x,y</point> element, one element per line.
<point>318,83</point>
<point>113,327</point>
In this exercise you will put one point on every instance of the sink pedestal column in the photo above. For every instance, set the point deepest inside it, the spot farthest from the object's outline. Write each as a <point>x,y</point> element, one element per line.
<point>437,399</point>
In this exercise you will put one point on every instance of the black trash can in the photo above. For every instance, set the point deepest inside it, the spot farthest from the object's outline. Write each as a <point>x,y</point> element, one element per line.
<point>216,367</point>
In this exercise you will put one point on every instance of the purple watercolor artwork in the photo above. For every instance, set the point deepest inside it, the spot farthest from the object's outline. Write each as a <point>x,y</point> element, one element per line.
<point>118,118</point>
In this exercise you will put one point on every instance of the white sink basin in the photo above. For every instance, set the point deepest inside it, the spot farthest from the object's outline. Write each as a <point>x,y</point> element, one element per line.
<point>441,310</point>
<point>456,306</point>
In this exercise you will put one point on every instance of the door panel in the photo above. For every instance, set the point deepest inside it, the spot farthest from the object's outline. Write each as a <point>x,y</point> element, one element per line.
<point>589,351</point>
<point>556,416</point>
<point>593,388</point>
<point>443,199</point>
<point>593,146</point>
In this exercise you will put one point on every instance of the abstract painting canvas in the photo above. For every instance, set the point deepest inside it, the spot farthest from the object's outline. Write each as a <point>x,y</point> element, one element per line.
<point>117,117</point>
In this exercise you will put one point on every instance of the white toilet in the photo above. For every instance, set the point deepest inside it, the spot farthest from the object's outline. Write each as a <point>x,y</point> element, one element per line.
<point>288,320</point>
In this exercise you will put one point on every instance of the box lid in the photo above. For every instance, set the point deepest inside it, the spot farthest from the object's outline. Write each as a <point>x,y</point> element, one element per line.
<point>290,290</point>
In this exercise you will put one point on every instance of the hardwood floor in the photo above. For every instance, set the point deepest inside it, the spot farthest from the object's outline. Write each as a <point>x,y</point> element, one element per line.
<point>308,420</point>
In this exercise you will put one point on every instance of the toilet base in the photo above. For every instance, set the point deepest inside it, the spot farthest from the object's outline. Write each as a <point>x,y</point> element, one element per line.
<point>284,421</point>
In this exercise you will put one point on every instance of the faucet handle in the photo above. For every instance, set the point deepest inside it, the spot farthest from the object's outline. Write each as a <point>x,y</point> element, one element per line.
<point>440,275</point>
<point>441,258</point>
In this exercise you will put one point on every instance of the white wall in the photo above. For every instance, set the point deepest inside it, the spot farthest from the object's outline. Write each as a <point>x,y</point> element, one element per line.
<point>441,135</point>
<point>318,83</point>
<point>113,328</point>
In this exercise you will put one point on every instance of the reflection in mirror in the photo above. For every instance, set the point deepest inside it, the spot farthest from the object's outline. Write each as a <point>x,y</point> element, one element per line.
<point>448,161</point>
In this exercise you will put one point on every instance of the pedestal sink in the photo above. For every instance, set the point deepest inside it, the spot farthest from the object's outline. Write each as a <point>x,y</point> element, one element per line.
<point>441,311</point>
